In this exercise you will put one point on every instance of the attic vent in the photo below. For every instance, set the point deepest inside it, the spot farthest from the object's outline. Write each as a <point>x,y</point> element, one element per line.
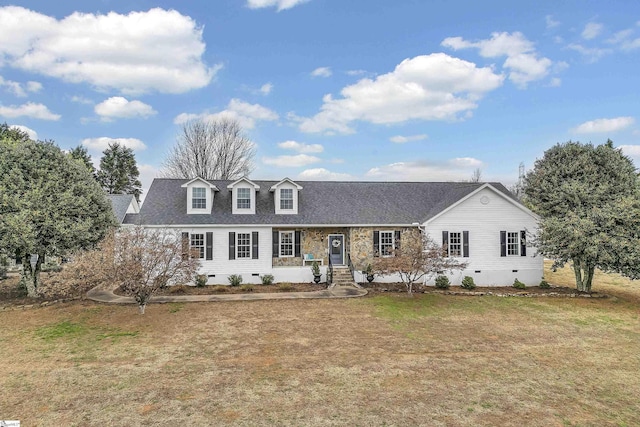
<point>255,274</point>
<point>478,271</point>
<point>514,271</point>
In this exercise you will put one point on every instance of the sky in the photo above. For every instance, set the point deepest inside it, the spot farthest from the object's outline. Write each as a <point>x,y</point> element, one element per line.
<point>403,90</point>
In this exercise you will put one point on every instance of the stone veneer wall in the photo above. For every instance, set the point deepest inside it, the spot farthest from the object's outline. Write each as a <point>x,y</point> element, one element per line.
<point>361,243</point>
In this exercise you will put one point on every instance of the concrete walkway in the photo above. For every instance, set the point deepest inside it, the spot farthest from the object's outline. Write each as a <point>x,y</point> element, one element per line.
<point>107,296</point>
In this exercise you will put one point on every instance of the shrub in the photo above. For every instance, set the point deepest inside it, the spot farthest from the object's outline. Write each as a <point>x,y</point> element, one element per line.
<point>544,284</point>
<point>235,280</point>
<point>3,273</point>
<point>178,289</point>
<point>247,288</point>
<point>442,282</point>
<point>315,268</point>
<point>267,279</point>
<point>285,287</point>
<point>468,283</point>
<point>518,284</point>
<point>201,280</point>
<point>220,289</point>
<point>51,267</point>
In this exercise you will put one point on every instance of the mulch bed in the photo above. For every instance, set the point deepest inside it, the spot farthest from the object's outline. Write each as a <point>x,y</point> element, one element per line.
<point>226,289</point>
<point>561,291</point>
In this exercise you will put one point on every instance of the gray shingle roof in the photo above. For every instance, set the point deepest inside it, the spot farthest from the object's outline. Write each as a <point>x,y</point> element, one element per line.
<point>320,203</point>
<point>120,203</point>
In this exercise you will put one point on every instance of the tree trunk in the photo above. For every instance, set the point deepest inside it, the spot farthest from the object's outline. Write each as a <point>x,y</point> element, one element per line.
<point>31,276</point>
<point>410,289</point>
<point>584,275</point>
<point>590,272</point>
<point>141,308</point>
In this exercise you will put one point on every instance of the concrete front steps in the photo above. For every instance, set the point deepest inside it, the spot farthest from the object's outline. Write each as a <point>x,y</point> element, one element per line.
<point>342,277</point>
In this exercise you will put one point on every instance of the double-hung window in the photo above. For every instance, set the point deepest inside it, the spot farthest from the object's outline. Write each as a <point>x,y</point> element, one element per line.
<point>455,244</point>
<point>244,198</point>
<point>197,245</point>
<point>198,198</point>
<point>386,243</point>
<point>243,245</point>
<point>286,198</point>
<point>286,243</point>
<point>513,243</point>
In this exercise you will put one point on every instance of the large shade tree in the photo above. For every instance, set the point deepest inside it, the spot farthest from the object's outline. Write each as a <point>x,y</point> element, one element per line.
<point>49,205</point>
<point>589,202</point>
<point>210,149</point>
<point>118,172</point>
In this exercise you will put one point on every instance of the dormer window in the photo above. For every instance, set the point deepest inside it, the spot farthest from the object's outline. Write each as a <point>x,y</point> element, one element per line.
<point>244,198</point>
<point>199,198</point>
<point>286,198</point>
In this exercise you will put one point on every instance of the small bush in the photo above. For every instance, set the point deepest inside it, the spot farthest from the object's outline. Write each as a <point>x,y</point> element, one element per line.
<point>3,273</point>
<point>178,289</point>
<point>247,288</point>
<point>235,280</point>
<point>442,282</point>
<point>220,289</point>
<point>285,287</point>
<point>51,267</point>
<point>267,279</point>
<point>518,284</point>
<point>544,284</point>
<point>468,283</point>
<point>201,280</point>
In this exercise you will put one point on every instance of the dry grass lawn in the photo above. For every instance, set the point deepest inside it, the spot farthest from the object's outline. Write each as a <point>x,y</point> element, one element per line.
<point>431,360</point>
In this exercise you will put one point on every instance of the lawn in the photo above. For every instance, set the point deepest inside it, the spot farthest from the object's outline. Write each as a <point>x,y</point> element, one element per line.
<point>383,360</point>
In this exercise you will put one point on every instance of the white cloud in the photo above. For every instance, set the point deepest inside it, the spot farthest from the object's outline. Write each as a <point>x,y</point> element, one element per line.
<point>18,89</point>
<point>246,114</point>
<point>631,150</point>
<point>457,169</point>
<point>301,147</point>
<point>399,139</point>
<point>81,100</point>
<point>157,50</point>
<point>147,173</point>
<point>604,125</point>
<point>266,88</point>
<point>592,54</point>
<point>291,161</point>
<point>551,23</point>
<point>322,72</point>
<point>624,40</point>
<point>356,72</point>
<point>102,143</point>
<point>279,4</point>
<point>592,30</point>
<point>322,174</point>
<point>428,87</point>
<point>32,133</point>
<point>118,107</point>
<point>522,59</point>
<point>30,109</point>
<point>555,82</point>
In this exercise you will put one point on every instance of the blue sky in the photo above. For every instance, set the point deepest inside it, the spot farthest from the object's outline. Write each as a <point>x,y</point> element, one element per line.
<point>366,90</point>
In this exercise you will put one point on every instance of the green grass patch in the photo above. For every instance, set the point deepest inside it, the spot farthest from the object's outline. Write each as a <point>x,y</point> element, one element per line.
<point>175,307</point>
<point>60,330</point>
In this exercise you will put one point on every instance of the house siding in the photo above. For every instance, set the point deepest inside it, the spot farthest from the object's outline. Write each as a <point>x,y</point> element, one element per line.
<point>484,221</point>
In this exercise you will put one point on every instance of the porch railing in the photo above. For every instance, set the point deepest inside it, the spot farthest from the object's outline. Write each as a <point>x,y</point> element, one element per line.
<point>330,272</point>
<point>351,268</point>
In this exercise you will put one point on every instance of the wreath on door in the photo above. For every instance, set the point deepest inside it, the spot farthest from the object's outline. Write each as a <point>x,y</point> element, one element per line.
<point>335,243</point>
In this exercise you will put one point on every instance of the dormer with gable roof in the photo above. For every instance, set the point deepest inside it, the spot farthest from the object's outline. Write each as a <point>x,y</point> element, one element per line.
<point>243,192</point>
<point>199,196</point>
<point>285,194</point>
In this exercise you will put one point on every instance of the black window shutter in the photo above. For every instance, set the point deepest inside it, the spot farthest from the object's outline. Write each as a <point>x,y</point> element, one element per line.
<point>209,246</point>
<point>445,242</point>
<point>275,244</point>
<point>523,243</point>
<point>297,243</point>
<point>396,239</point>
<point>503,243</point>
<point>465,244</point>
<point>376,243</point>
<point>254,247</point>
<point>185,246</point>
<point>232,245</point>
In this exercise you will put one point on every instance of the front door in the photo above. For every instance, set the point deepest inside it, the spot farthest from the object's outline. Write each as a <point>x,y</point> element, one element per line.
<point>336,249</point>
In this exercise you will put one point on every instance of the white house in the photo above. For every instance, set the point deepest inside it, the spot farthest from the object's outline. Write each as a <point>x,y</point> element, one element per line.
<point>256,227</point>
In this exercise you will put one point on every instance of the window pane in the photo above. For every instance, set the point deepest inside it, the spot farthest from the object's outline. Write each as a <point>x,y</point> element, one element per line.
<point>455,244</point>
<point>386,243</point>
<point>197,245</point>
<point>243,245</point>
<point>513,243</point>
<point>199,198</point>
<point>286,198</point>
<point>286,243</point>
<point>244,198</point>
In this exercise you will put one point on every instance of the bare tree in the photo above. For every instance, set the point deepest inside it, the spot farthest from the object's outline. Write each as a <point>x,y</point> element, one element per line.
<point>210,149</point>
<point>477,175</point>
<point>419,257</point>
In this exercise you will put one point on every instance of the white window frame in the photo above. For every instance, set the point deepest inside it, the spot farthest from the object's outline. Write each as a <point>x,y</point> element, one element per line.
<point>287,199</point>
<point>382,244</point>
<point>201,199</point>
<point>457,246</point>
<point>245,246</point>
<point>513,244</point>
<point>199,238</point>
<point>243,199</point>
<point>292,244</point>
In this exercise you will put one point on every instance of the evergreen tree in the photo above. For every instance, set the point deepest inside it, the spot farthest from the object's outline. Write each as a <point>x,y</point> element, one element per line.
<point>118,172</point>
<point>81,154</point>
<point>11,135</point>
